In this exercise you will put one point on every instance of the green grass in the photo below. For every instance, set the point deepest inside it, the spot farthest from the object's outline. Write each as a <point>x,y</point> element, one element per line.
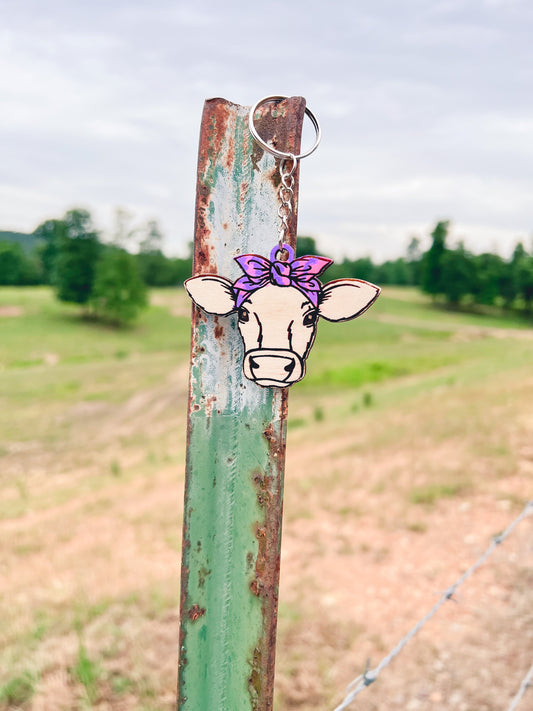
<point>58,355</point>
<point>122,684</point>
<point>48,331</point>
<point>87,672</point>
<point>411,303</point>
<point>52,359</point>
<point>18,690</point>
<point>430,494</point>
<point>424,342</point>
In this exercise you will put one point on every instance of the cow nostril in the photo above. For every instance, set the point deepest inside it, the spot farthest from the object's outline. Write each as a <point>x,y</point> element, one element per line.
<point>254,364</point>
<point>289,368</point>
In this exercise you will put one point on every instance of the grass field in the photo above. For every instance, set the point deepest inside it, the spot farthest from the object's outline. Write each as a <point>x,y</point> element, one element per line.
<point>410,444</point>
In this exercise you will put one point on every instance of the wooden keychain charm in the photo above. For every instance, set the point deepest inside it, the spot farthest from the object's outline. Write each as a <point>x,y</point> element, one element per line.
<point>279,299</point>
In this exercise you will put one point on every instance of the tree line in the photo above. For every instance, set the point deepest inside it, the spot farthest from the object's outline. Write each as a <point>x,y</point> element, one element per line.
<point>105,278</point>
<point>111,281</point>
<point>452,275</point>
<point>462,278</point>
<point>33,259</point>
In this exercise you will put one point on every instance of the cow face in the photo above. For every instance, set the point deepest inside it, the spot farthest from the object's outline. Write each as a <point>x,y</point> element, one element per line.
<point>278,327</point>
<point>277,321</point>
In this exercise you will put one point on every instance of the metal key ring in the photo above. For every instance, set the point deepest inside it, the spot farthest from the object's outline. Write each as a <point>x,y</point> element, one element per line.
<point>274,151</point>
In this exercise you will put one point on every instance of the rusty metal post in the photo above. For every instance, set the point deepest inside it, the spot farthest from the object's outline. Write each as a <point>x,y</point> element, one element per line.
<point>236,430</point>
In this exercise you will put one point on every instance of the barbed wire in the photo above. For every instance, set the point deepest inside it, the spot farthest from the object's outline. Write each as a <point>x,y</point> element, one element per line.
<point>527,681</point>
<point>370,675</point>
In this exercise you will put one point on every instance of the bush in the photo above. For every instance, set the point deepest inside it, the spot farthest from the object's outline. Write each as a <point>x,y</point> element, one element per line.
<point>118,294</point>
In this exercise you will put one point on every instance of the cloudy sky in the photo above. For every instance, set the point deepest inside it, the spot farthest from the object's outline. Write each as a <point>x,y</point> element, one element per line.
<point>426,109</point>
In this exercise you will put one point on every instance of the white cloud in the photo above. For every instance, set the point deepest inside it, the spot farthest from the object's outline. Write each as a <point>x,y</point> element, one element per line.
<point>426,110</point>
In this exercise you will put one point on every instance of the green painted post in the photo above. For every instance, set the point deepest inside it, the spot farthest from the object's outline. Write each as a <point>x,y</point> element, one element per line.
<point>236,430</point>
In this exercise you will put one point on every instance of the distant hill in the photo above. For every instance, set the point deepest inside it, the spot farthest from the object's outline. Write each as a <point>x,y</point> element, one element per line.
<point>26,241</point>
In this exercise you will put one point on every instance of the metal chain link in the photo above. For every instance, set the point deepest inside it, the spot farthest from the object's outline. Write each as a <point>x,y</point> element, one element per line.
<point>527,682</point>
<point>286,195</point>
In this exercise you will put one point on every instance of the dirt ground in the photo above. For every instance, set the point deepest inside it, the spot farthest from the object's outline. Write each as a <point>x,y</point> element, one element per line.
<point>384,509</point>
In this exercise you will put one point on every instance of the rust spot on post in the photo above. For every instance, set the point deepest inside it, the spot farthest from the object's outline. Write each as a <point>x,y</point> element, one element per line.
<point>214,120</point>
<point>182,663</point>
<point>195,612</point>
<point>219,329</point>
<point>255,682</point>
<point>265,583</point>
<point>270,129</point>
<point>218,115</point>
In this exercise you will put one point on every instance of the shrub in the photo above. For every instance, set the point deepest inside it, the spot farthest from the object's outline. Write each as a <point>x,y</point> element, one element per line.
<point>118,293</point>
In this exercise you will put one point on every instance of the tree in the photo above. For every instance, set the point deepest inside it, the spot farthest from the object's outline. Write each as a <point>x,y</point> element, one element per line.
<point>181,270</point>
<point>506,285</point>
<point>155,268</point>
<point>414,260</point>
<point>49,234</point>
<point>489,276</point>
<point>119,293</point>
<point>305,245</point>
<point>524,280</point>
<point>123,233</point>
<point>11,263</point>
<point>519,255</point>
<point>432,261</point>
<point>362,268</point>
<point>152,238</point>
<point>414,253</point>
<point>17,268</point>
<point>457,274</point>
<point>394,271</point>
<point>78,250</point>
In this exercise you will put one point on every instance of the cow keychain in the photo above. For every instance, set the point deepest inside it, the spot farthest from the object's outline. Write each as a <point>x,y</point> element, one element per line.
<point>279,299</point>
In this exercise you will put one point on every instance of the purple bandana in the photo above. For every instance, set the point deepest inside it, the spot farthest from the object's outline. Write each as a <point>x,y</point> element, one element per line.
<point>301,273</point>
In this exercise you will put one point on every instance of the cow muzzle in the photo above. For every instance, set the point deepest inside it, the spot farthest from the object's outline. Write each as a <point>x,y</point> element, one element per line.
<point>268,367</point>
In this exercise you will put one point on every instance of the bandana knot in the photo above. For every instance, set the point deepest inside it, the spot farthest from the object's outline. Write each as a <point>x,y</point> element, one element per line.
<point>301,273</point>
<point>280,273</point>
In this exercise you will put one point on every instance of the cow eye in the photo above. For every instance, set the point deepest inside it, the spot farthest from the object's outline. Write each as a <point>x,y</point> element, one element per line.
<point>244,315</point>
<point>310,318</point>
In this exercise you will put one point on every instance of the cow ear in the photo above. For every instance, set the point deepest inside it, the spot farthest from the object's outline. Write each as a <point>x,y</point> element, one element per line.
<point>212,293</point>
<point>344,299</point>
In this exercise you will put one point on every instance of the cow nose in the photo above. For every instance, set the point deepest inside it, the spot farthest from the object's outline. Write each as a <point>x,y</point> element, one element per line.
<point>288,368</point>
<point>273,366</point>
